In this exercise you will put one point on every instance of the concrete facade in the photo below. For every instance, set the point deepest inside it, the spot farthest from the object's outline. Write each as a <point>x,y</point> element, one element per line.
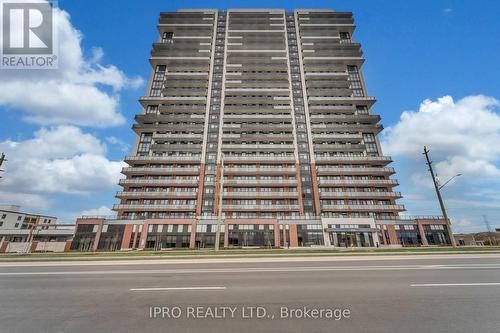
<point>261,117</point>
<point>100,234</point>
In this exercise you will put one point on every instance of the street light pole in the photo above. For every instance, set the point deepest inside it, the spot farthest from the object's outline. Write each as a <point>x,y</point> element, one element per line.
<point>440,199</point>
<point>219,206</point>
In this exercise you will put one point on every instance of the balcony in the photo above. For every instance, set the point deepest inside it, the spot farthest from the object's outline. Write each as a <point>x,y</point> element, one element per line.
<point>369,101</point>
<point>159,171</point>
<point>260,182</point>
<point>330,170</point>
<point>178,136</point>
<point>192,127</point>
<point>339,147</point>
<point>257,147</point>
<point>255,194</point>
<point>245,127</point>
<point>163,159</point>
<point>371,119</point>
<point>159,182</point>
<point>359,182</point>
<point>156,194</point>
<point>176,147</point>
<point>337,137</point>
<point>276,170</point>
<point>259,207</point>
<point>381,160</point>
<point>259,158</point>
<point>153,207</point>
<point>372,128</point>
<point>256,117</point>
<point>255,137</point>
<point>360,195</point>
<point>376,208</point>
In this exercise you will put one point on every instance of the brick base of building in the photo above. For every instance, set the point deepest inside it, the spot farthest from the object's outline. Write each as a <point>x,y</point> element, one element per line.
<point>96,234</point>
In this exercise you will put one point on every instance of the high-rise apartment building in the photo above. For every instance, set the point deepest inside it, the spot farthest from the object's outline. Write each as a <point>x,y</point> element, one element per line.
<point>271,107</point>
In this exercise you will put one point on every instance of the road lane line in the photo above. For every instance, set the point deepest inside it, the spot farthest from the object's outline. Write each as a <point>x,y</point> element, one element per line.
<point>260,270</point>
<point>177,288</point>
<point>456,284</point>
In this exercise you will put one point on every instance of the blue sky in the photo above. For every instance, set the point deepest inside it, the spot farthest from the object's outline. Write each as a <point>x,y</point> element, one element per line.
<point>414,51</point>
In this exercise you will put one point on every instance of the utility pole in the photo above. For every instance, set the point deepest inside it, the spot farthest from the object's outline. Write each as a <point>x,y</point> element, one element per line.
<point>440,199</point>
<point>219,206</point>
<point>490,231</point>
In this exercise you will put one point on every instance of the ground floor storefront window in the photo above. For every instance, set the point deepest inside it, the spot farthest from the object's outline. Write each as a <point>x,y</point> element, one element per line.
<point>352,239</point>
<point>261,235</point>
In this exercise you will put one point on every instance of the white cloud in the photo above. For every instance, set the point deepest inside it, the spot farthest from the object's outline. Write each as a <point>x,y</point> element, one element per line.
<point>461,135</point>
<point>25,200</point>
<point>464,223</point>
<point>124,147</point>
<point>58,142</point>
<point>81,92</point>
<point>101,211</point>
<point>58,160</point>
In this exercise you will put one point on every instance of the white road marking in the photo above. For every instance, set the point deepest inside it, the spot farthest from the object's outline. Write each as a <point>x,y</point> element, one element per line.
<point>456,284</point>
<point>260,269</point>
<point>177,288</point>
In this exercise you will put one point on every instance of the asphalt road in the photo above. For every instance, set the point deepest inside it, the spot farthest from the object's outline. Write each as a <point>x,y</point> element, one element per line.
<point>457,293</point>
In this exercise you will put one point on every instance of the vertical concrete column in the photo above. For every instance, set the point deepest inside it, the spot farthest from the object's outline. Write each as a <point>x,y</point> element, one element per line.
<point>381,228</point>
<point>283,234</point>
<point>192,239</point>
<point>299,189</point>
<point>314,178</point>
<point>199,198</point>
<point>375,238</point>
<point>98,235</point>
<point>326,234</point>
<point>393,237</point>
<point>127,233</point>
<point>226,234</point>
<point>421,231</point>
<point>136,232</point>
<point>277,234</point>
<point>144,235</point>
<point>3,246</point>
<point>294,241</point>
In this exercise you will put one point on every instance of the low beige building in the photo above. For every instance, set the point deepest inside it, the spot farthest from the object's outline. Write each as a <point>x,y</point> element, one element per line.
<point>22,232</point>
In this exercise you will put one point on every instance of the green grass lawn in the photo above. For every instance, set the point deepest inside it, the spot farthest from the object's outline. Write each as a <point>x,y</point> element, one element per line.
<point>247,253</point>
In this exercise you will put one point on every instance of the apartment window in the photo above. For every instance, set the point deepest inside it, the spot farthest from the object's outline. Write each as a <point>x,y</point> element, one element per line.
<point>1,223</point>
<point>355,81</point>
<point>16,225</point>
<point>368,137</point>
<point>152,109</point>
<point>167,37</point>
<point>361,109</point>
<point>144,144</point>
<point>158,79</point>
<point>371,148</point>
<point>4,216</point>
<point>345,38</point>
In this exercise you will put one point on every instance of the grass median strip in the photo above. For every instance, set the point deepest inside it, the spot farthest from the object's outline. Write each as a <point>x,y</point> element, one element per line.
<point>238,253</point>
